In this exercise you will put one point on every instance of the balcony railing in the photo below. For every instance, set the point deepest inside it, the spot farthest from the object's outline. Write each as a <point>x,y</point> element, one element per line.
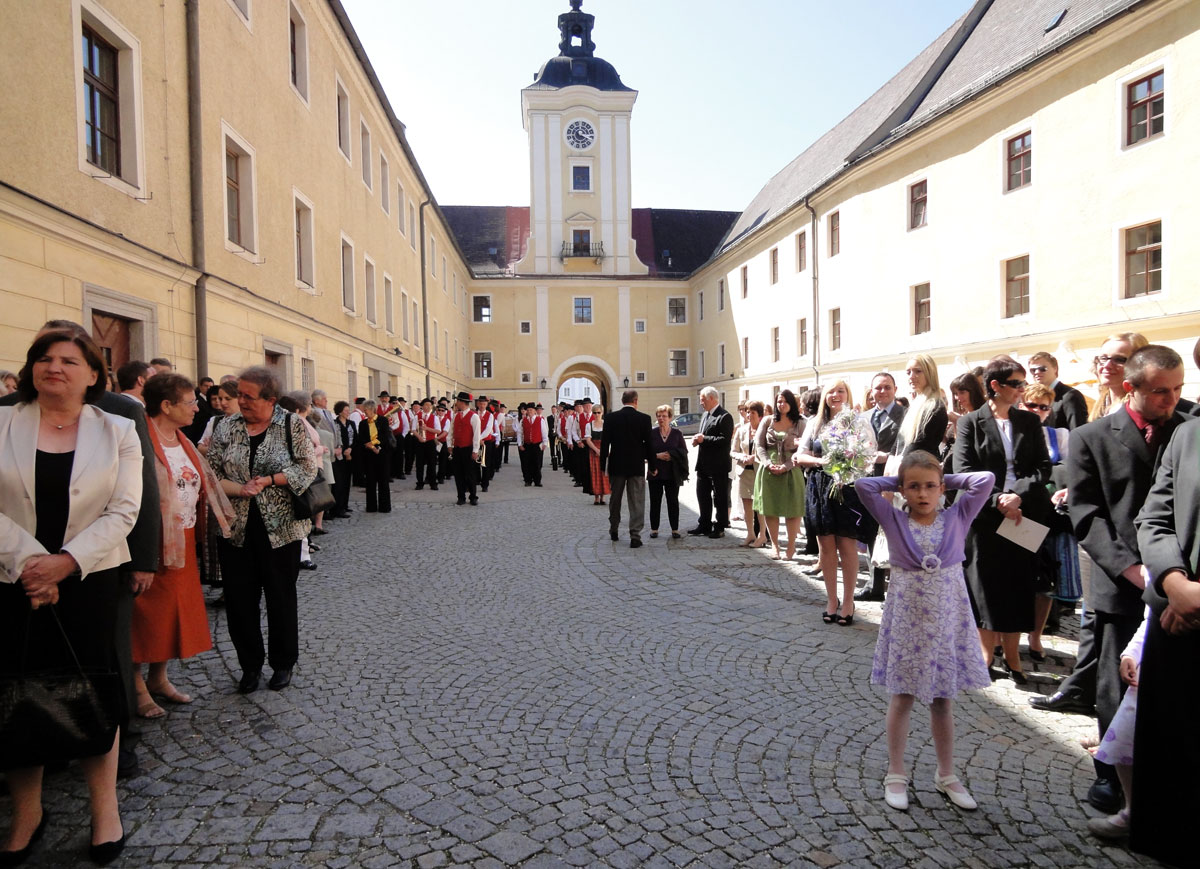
<point>589,250</point>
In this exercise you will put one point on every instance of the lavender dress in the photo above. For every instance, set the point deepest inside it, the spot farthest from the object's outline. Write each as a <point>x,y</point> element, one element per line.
<point>928,644</point>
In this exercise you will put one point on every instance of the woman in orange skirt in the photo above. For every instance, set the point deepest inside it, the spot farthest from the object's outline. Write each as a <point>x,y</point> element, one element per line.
<point>591,436</point>
<point>169,620</point>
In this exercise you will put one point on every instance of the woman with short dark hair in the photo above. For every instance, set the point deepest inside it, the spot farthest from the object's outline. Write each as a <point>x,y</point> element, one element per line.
<point>262,459</point>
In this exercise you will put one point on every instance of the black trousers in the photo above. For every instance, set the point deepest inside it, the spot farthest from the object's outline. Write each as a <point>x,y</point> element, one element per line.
<point>713,492</point>
<point>491,461</point>
<point>341,484</point>
<point>554,454</point>
<point>531,463</point>
<point>427,463</point>
<point>253,571</point>
<point>444,468</point>
<point>379,479</point>
<point>465,470</point>
<point>504,451</point>
<point>410,452</point>
<point>657,489</point>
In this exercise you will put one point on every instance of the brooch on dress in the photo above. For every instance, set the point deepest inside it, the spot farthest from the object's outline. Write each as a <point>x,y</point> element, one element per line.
<point>931,563</point>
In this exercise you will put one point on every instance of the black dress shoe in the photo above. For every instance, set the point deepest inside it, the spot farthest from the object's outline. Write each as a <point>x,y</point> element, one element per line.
<point>280,679</point>
<point>461,501</point>
<point>868,594</point>
<point>1105,796</point>
<point>127,761</point>
<point>613,535</point>
<point>635,544</point>
<point>16,858</point>
<point>106,852</point>
<point>308,564</point>
<point>474,502</point>
<point>716,534</point>
<point>699,532</point>
<point>1062,702</point>
<point>250,681</point>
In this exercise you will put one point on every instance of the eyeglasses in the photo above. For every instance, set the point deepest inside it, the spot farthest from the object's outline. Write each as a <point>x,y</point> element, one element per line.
<point>921,487</point>
<point>1115,360</point>
<point>1015,384</point>
<point>1037,406</point>
<point>1038,369</point>
<point>192,403</point>
<point>244,397</point>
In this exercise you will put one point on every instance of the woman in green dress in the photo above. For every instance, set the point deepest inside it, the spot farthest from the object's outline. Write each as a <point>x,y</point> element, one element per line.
<point>779,485</point>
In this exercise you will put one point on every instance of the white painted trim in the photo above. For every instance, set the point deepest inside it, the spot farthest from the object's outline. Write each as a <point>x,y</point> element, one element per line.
<point>143,330</point>
<point>389,295</point>
<point>246,251</point>
<point>370,293</point>
<point>1164,63</point>
<point>687,361</point>
<point>491,311</point>
<point>1028,125</point>
<point>475,367</point>
<point>686,305</point>
<point>301,68</point>
<point>245,17</point>
<point>385,183</point>
<point>368,170</point>
<point>350,311</point>
<point>339,88</point>
<point>312,247</point>
<point>639,322</point>
<point>1118,246</point>
<point>591,311</point>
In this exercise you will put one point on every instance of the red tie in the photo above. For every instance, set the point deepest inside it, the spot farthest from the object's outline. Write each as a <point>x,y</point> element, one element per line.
<point>1150,432</point>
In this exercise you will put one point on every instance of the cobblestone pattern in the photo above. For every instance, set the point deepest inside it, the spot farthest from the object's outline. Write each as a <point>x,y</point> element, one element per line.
<point>502,685</point>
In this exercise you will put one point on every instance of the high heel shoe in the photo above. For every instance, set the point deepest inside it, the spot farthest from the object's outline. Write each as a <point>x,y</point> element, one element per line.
<point>1018,676</point>
<point>16,858</point>
<point>106,852</point>
<point>829,618</point>
<point>846,621</point>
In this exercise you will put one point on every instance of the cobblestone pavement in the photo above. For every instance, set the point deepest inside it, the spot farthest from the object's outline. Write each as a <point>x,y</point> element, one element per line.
<point>502,685</point>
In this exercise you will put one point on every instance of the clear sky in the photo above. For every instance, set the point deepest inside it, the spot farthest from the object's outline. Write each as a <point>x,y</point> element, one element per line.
<point>729,91</point>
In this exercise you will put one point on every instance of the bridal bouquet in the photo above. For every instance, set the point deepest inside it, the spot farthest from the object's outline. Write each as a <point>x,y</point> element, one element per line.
<point>849,449</point>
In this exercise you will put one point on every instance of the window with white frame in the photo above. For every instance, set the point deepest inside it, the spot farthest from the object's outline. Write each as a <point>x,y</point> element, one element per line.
<point>385,184</point>
<point>721,358</point>
<point>243,8</point>
<point>922,309</point>
<point>721,294</point>
<point>676,310</point>
<point>481,309</point>
<point>412,225</point>
<point>483,364</point>
<point>304,240</point>
<point>240,218</point>
<point>435,340</point>
<point>746,351</point>
<point>308,375</point>
<point>446,342</point>
<point>348,295</point>
<point>400,208</point>
<point>1016,286</point>
<point>389,313</point>
<point>343,120</point>
<point>352,383</point>
<point>404,315</point>
<point>583,310</point>
<point>700,364</point>
<point>526,377</point>
<point>364,136</point>
<point>677,363</point>
<point>682,405</point>
<point>298,51</point>
<point>416,323</point>
<point>433,256</point>
<point>369,286</point>
<point>639,326</point>
<point>108,77</point>
<point>1143,260</point>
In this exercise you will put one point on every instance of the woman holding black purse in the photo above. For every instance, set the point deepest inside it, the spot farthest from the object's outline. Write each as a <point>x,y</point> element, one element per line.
<point>70,491</point>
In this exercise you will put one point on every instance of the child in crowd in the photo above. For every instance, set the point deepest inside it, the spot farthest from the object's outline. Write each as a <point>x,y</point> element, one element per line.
<point>928,647</point>
<point>1116,748</point>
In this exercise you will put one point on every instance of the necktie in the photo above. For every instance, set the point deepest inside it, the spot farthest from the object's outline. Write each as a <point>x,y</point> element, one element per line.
<point>1150,432</point>
<point>877,419</point>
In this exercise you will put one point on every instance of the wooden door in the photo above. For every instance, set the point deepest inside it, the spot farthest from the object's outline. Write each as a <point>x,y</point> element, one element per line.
<point>112,335</point>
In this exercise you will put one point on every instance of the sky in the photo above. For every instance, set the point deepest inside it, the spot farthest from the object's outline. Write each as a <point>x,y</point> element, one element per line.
<point>729,91</point>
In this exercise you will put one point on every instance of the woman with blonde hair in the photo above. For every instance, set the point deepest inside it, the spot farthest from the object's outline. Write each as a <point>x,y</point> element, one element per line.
<point>1109,368</point>
<point>840,523</point>
<point>924,426</point>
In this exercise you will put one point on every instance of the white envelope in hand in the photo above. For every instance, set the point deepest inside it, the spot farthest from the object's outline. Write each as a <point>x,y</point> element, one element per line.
<point>1028,535</point>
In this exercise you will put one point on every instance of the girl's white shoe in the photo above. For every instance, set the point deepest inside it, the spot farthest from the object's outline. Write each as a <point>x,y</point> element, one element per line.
<point>961,798</point>
<point>896,799</point>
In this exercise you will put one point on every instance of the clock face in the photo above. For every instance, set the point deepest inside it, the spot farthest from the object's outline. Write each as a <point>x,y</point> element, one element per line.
<point>580,135</point>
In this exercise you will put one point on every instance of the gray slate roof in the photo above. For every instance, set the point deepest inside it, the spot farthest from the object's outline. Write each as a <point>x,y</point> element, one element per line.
<point>992,40</point>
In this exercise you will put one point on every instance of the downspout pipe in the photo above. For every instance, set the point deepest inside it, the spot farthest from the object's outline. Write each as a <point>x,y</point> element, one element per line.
<point>425,300</point>
<point>196,183</point>
<point>816,294</point>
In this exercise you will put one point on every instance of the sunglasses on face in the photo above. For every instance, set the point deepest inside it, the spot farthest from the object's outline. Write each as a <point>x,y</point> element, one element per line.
<point>1115,360</point>
<point>1038,369</point>
<point>1037,406</point>
<point>1015,384</point>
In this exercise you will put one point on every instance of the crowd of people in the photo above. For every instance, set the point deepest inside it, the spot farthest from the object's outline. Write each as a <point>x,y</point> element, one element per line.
<point>986,514</point>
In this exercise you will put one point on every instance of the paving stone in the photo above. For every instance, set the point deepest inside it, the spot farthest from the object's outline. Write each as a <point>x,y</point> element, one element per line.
<point>510,847</point>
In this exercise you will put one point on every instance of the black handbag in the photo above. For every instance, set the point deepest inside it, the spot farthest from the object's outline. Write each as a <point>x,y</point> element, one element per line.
<point>56,715</point>
<point>318,497</point>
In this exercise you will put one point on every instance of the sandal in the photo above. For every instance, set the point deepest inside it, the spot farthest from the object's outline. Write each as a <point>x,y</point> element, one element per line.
<point>171,694</point>
<point>829,618</point>
<point>845,621</point>
<point>149,709</point>
<point>896,799</point>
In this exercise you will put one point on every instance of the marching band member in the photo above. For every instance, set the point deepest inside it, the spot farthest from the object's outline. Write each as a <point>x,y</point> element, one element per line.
<point>533,437</point>
<point>464,443</point>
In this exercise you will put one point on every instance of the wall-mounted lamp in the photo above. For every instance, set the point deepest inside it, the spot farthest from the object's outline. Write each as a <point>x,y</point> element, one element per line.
<point>543,383</point>
<point>626,382</point>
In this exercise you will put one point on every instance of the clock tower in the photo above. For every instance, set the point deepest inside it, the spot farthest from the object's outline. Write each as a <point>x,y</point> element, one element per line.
<point>576,114</point>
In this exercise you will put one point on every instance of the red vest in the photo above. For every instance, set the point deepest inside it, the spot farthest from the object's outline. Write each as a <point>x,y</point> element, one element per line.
<point>485,427</point>
<point>463,436</point>
<point>531,429</point>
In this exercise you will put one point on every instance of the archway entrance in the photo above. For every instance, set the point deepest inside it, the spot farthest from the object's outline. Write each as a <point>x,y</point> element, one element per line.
<point>583,372</point>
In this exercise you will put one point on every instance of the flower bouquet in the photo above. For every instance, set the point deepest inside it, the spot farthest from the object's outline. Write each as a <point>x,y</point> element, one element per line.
<point>849,451</point>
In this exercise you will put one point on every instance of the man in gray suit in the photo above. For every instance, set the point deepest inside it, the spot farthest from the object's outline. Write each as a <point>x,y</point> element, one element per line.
<point>886,418</point>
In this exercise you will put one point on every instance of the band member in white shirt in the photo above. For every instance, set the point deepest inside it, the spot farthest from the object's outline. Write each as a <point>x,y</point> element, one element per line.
<point>429,427</point>
<point>533,438</point>
<point>463,441</point>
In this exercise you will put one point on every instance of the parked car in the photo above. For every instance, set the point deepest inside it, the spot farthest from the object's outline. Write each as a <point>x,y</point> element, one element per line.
<point>687,423</point>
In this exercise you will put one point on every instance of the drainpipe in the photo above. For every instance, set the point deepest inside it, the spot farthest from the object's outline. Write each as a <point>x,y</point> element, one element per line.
<point>816,296</point>
<point>425,300</point>
<point>196,186</point>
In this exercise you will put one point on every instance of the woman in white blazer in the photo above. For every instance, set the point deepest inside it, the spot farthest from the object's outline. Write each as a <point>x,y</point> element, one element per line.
<point>70,490</point>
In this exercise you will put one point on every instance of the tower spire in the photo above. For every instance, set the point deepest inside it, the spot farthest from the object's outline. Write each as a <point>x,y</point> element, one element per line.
<point>576,29</point>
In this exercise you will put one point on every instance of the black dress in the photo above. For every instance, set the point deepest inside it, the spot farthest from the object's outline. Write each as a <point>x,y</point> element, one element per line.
<point>827,515</point>
<point>86,607</point>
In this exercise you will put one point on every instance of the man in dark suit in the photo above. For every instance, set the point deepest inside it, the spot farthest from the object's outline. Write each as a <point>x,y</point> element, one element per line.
<point>1166,762</point>
<point>624,451</point>
<point>1069,410</point>
<point>1110,468</point>
<point>144,541</point>
<point>713,464</point>
<point>886,418</point>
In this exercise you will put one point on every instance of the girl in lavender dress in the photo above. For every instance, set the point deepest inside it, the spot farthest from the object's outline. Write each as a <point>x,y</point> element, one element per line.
<point>927,647</point>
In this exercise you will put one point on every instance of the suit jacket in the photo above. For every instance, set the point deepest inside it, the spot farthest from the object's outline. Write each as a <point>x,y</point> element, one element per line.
<point>625,443</point>
<point>1110,469</point>
<point>713,457</point>
<point>1187,408</point>
<point>978,447</point>
<point>1069,409</point>
<point>387,440</point>
<point>887,437</point>
<point>145,540</point>
<point>105,494</point>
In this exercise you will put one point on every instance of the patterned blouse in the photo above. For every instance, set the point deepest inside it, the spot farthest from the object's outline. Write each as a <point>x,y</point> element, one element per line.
<point>229,455</point>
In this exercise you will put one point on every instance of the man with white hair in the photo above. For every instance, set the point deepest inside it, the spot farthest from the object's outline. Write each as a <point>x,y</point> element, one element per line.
<point>713,465</point>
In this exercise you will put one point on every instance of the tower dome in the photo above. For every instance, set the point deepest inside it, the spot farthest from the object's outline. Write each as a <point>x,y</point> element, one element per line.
<point>576,63</point>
